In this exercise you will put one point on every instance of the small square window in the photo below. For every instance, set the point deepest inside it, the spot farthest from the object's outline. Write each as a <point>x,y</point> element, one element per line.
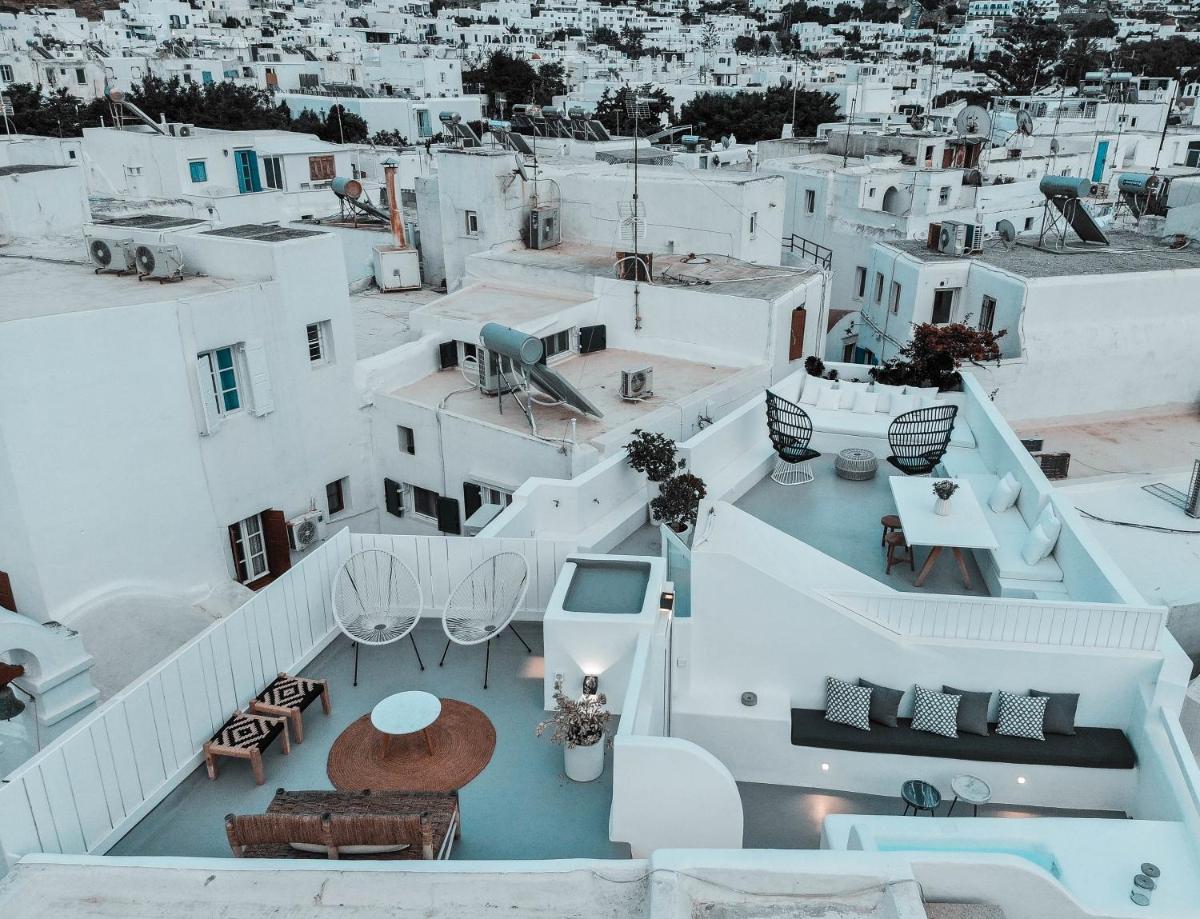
<point>987,314</point>
<point>425,502</point>
<point>944,194</point>
<point>319,336</point>
<point>472,223</point>
<point>336,495</point>
<point>895,296</point>
<point>860,282</point>
<point>753,224</point>
<point>198,170</point>
<point>1028,223</point>
<point>810,200</point>
<point>407,440</point>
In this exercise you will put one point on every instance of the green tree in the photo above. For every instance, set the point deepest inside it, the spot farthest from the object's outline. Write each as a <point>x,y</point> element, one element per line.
<point>1169,57</point>
<point>631,41</point>
<point>504,74</point>
<point>605,36</point>
<point>744,44</point>
<point>55,115</point>
<point>1097,28</point>
<point>878,11</point>
<point>759,116</point>
<point>389,139</point>
<point>1081,55</point>
<point>551,81</point>
<point>1028,56</point>
<point>613,109</point>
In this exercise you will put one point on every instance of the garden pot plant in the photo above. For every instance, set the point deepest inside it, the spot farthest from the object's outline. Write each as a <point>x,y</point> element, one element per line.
<point>944,489</point>
<point>579,726</point>
<point>654,456</point>
<point>678,501</point>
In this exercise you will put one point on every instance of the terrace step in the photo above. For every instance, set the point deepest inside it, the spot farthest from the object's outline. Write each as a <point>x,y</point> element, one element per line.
<point>963,911</point>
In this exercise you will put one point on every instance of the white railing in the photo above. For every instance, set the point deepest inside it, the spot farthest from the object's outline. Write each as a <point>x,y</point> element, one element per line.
<point>90,786</point>
<point>1037,622</point>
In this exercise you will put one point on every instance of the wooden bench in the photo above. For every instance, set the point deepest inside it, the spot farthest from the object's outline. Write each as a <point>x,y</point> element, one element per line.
<point>245,736</point>
<point>418,825</point>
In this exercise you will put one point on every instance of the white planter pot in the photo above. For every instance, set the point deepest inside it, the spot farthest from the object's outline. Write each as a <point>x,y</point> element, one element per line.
<point>942,507</point>
<point>584,764</point>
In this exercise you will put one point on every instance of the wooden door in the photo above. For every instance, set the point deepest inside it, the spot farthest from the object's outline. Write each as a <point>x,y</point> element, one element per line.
<point>796,343</point>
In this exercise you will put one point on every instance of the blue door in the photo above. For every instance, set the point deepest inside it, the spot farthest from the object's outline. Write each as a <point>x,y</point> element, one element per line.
<point>246,164</point>
<point>1101,156</point>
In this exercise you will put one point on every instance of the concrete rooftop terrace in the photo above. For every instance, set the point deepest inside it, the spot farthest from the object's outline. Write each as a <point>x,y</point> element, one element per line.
<point>32,287</point>
<point>1128,253</point>
<point>718,274</point>
<point>518,306</point>
<point>596,375</point>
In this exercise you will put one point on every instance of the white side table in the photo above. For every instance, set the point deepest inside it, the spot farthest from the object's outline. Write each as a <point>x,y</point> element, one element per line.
<point>972,789</point>
<point>406,713</point>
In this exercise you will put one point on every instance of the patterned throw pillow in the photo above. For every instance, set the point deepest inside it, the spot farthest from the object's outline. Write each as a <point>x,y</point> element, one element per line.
<point>847,704</point>
<point>935,712</point>
<point>1022,716</point>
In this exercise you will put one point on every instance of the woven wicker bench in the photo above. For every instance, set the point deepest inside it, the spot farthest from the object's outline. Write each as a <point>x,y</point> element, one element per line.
<point>426,822</point>
<point>245,736</point>
<point>288,697</point>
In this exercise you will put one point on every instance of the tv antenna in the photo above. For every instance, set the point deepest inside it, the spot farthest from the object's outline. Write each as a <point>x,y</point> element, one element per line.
<point>633,217</point>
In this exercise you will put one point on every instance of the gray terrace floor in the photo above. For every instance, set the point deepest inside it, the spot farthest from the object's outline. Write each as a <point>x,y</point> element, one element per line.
<point>841,519</point>
<point>782,817</point>
<point>521,806</point>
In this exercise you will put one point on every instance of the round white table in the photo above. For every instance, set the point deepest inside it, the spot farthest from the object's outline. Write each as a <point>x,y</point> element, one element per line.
<point>406,713</point>
<point>972,789</point>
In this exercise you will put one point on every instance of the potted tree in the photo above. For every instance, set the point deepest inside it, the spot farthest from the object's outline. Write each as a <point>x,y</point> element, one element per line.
<point>678,501</point>
<point>579,725</point>
<point>652,454</point>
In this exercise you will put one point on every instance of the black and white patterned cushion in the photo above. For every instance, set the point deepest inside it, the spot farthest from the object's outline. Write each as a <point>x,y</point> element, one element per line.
<point>935,712</point>
<point>847,703</point>
<point>1022,716</point>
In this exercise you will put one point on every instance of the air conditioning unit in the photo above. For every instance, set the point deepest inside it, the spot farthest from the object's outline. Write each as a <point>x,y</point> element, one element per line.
<point>304,531</point>
<point>492,380</point>
<point>109,254</point>
<point>162,263</point>
<point>638,384</point>
<point>952,238</point>
<point>544,230</point>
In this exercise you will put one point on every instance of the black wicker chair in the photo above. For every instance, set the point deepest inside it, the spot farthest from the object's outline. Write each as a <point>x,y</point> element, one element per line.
<point>791,429</point>
<point>919,438</point>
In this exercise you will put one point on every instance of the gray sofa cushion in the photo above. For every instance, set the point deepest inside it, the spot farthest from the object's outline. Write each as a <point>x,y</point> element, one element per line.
<point>972,710</point>
<point>1060,711</point>
<point>885,702</point>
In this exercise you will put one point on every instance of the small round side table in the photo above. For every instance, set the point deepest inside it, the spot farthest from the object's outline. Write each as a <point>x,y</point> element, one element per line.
<point>855,464</point>
<point>972,789</point>
<point>920,796</point>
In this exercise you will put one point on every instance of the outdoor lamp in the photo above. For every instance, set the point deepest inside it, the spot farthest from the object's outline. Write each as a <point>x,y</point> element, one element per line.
<point>591,684</point>
<point>666,601</point>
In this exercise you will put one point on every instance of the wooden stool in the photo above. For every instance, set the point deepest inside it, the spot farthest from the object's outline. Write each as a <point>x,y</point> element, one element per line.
<point>895,540</point>
<point>288,697</point>
<point>245,736</point>
<point>889,522</point>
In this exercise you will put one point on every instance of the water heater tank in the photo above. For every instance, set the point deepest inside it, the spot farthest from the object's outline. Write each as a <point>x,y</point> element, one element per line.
<point>1137,183</point>
<point>347,188</point>
<point>519,346</point>
<point>1064,186</point>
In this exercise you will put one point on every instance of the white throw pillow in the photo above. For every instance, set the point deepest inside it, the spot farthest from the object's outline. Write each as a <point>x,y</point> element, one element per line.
<point>829,398</point>
<point>318,849</point>
<point>849,392</point>
<point>1004,495</point>
<point>812,390</point>
<point>902,403</point>
<point>928,392</point>
<point>1037,545</point>
<point>865,402</point>
<point>1049,522</point>
<point>886,395</point>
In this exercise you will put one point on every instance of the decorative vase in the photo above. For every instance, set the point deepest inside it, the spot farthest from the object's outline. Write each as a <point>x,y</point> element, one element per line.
<point>584,764</point>
<point>942,507</point>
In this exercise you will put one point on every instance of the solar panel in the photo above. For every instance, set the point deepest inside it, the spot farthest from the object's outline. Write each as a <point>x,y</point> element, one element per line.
<point>260,232</point>
<point>552,383</point>
<point>518,143</point>
<point>153,222</point>
<point>1080,220</point>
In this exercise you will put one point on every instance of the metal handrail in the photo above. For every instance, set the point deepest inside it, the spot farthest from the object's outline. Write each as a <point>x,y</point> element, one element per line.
<point>821,255</point>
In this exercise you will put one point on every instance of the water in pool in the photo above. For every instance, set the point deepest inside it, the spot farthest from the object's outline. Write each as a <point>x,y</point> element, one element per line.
<point>607,587</point>
<point>1041,857</point>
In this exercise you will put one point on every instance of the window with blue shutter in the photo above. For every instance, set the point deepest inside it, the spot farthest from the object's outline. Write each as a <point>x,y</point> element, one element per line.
<point>198,170</point>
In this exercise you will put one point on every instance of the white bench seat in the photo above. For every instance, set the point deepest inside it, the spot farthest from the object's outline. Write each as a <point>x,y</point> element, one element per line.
<point>872,424</point>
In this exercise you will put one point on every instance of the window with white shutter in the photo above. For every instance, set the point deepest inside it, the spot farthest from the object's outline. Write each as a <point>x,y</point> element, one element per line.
<point>262,400</point>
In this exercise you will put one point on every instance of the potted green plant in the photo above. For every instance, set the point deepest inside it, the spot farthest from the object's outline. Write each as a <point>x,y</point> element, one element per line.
<point>944,489</point>
<point>652,454</point>
<point>678,501</point>
<point>579,726</point>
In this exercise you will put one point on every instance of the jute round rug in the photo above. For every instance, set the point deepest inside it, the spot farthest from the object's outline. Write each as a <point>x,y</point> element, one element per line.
<point>463,742</point>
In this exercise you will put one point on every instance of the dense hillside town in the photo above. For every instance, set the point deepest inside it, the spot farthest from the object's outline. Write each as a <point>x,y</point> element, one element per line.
<point>578,400</point>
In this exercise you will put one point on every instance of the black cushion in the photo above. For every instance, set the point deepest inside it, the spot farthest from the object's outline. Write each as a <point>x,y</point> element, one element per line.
<point>972,710</point>
<point>1060,711</point>
<point>1095,748</point>
<point>885,702</point>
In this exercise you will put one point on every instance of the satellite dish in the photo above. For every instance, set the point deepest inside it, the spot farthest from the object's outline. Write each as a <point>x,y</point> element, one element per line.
<point>916,122</point>
<point>1008,233</point>
<point>520,170</point>
<point>727,141</point>
<point>974,121</point>
<point>1054,145</point>
<point>1025,123</point>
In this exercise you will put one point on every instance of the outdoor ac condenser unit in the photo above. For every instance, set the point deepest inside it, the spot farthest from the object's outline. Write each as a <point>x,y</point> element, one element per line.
<point>952,238</point>
<point>492,380</point>
<point>638,384</point>
<point>304,531</point>
<point>162,263</point>
<point>109,254</point>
